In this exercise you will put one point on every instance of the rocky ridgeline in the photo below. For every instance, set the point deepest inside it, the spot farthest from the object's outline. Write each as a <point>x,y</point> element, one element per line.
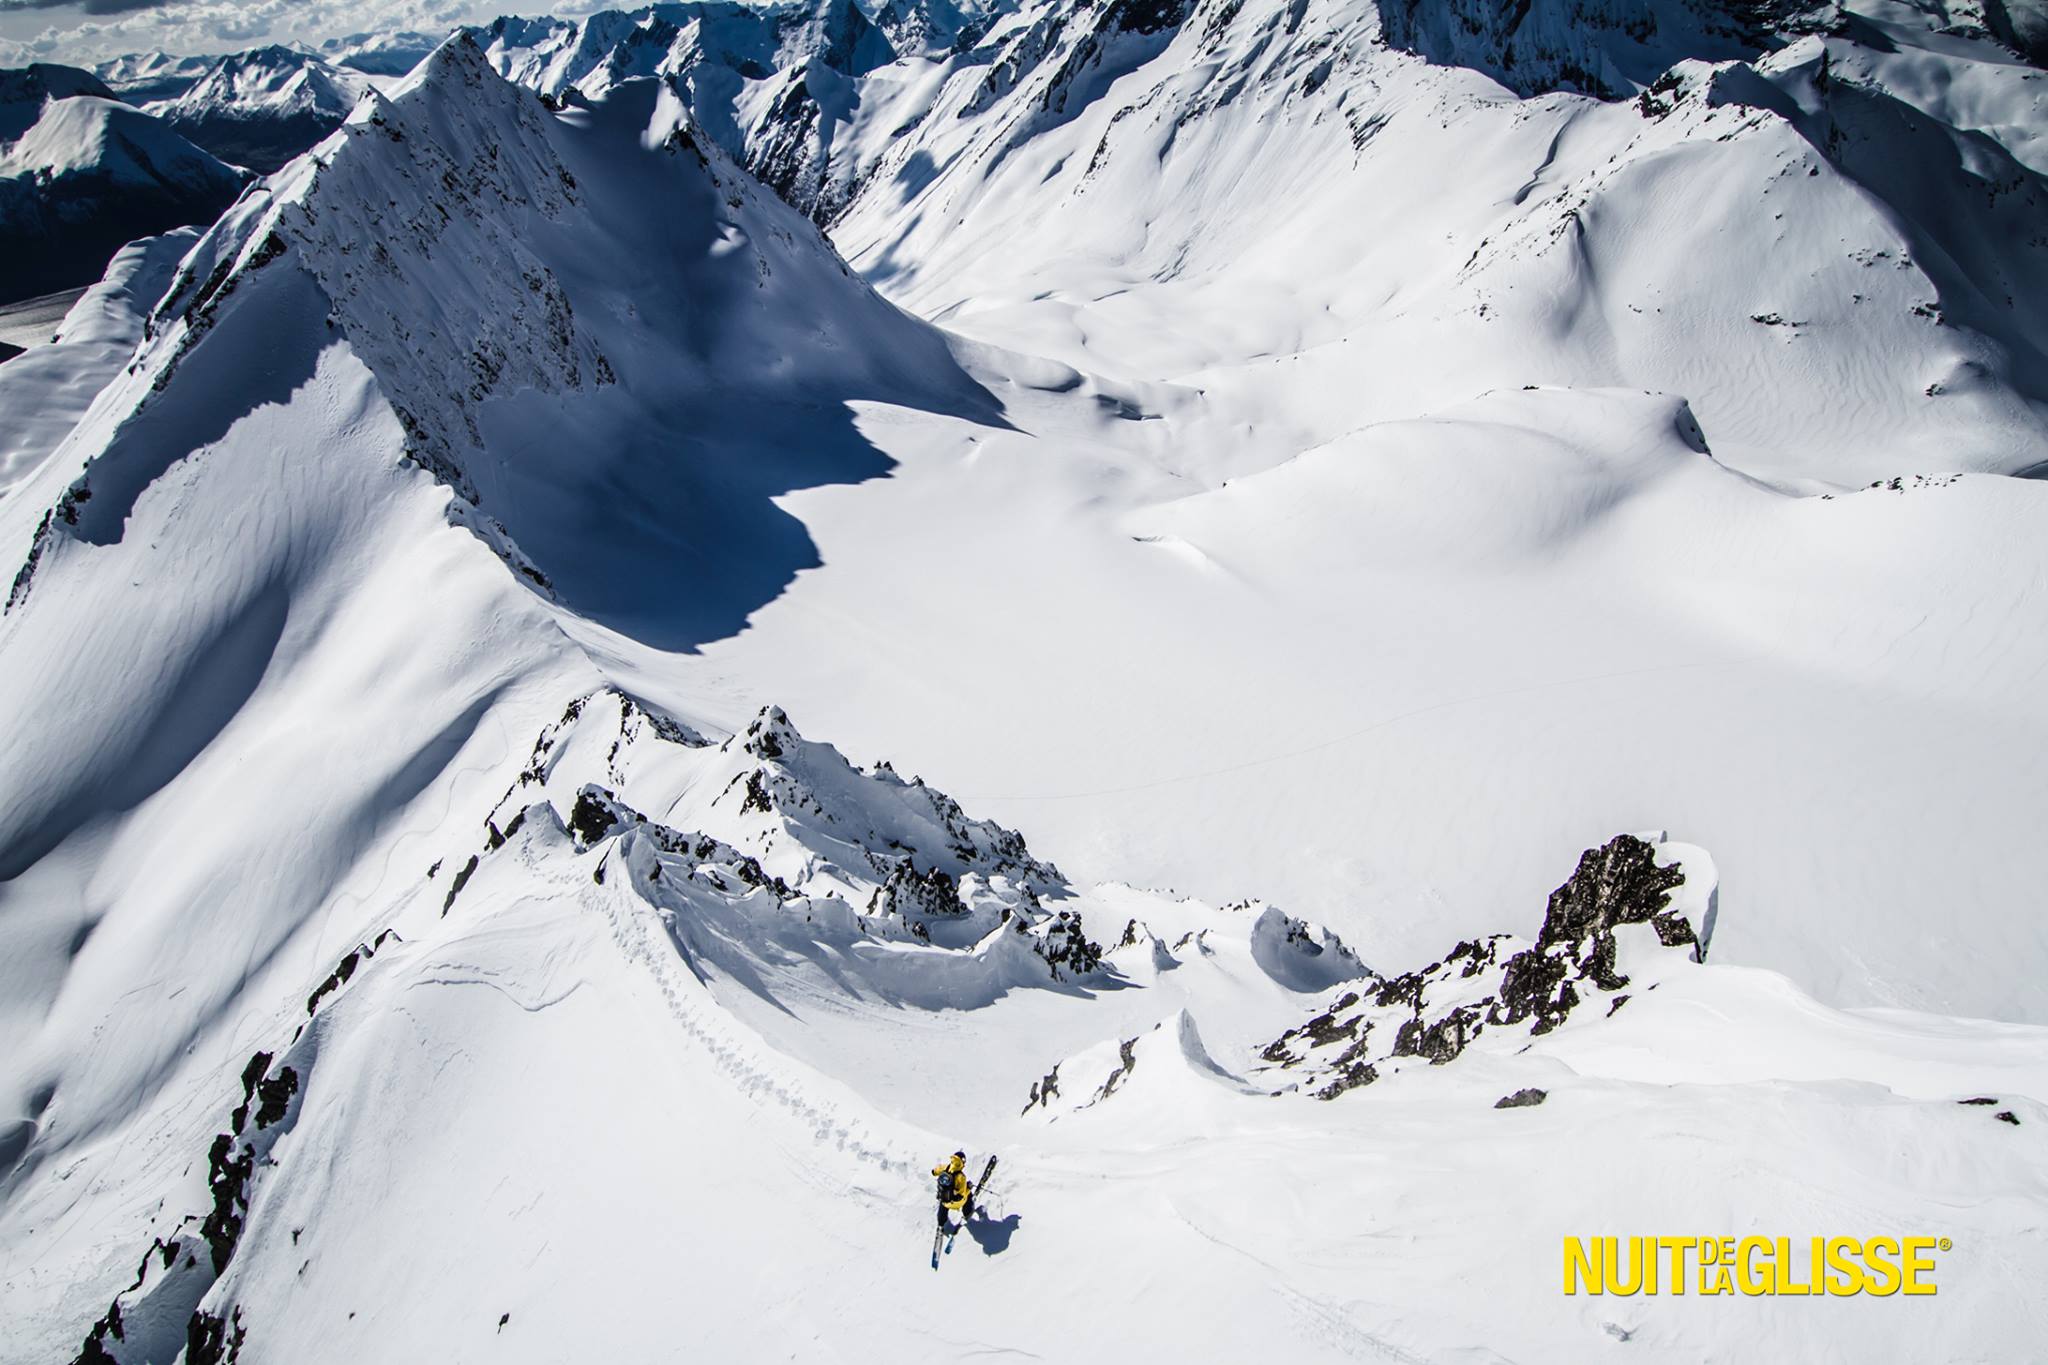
<point>1613,906</point>
<point>811,58</point>
<point>771,824</point>
<point>171,1306</point>
<point>889,822</point>
<point>808,54</point>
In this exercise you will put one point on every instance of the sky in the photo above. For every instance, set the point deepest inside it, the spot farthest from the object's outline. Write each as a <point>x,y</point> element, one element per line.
<point>79,32</point>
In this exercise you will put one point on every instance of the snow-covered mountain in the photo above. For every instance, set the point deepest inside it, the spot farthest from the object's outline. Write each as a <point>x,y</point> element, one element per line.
<point>775,86</point>
<point>25,92</point>
<point>147,77</point>
<point>380,52</point>
<point>1815,264</point>
<point>263,107</point>
<point>1250,448</point>
<point>81,174</point>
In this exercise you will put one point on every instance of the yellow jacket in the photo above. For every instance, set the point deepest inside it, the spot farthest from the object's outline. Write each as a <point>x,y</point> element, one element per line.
<point>952,1178</point>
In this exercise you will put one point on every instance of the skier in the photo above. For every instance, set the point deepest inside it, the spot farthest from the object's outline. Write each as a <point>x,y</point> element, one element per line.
<point>956,1195</point>
<point>953,1191</point>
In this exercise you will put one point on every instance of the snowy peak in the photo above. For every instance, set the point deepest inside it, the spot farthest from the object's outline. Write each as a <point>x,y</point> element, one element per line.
<point>88,175</point>
<point>89,136</point>
<point>146,77</point>
<point>469,242</point>
<point>261,108</point>
<point>271,79</point>
<point>24,92</point>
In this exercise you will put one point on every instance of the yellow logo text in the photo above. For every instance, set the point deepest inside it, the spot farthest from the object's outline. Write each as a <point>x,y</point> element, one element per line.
<point>1755,1266</point>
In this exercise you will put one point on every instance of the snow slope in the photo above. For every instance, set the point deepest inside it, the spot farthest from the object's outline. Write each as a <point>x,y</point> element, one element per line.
<point>422,931</point>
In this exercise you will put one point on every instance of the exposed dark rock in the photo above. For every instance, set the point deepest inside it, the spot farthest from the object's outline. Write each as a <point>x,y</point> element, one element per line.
<point>1674,930</point>
<point>1350,1078</point>
<point>2007,1116</point>
<point>343,970</point>
<point>461,880</point>
<point>1533,989</point>
<point>171,1282</point>
<point>1044,1091</point>
<point>1066,944</point>
<point>227,1176</point>
<point>1522,1099</point>
<point>1618,883</point>
<point>1127,1056</point>
<point>276,1093</point>
<point>592,818</point>
<point>38,542</point>
<point>1476,955</point>
<point>767,734</point>
<point>251,1075</point>
<point>909,893</point>
<point>1405,989</point>
<point>354,958</point>
<point>1278,1053</point>
<point>1598,964</point>
<point>1441,1041</point>
<point>214,1341</point>
<point>1324,1029</point>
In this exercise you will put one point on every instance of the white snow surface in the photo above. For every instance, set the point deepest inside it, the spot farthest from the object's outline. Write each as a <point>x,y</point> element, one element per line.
<point>1294,495</point>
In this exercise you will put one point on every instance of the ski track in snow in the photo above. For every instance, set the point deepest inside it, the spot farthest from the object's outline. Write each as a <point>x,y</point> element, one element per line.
<point>634,929</point>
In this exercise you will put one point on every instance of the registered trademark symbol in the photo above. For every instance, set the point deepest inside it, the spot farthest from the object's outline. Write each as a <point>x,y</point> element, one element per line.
<point>1943,1244</point>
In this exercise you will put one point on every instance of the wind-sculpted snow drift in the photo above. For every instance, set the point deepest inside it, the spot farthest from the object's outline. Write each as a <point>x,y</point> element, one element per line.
<point>420,937</point>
